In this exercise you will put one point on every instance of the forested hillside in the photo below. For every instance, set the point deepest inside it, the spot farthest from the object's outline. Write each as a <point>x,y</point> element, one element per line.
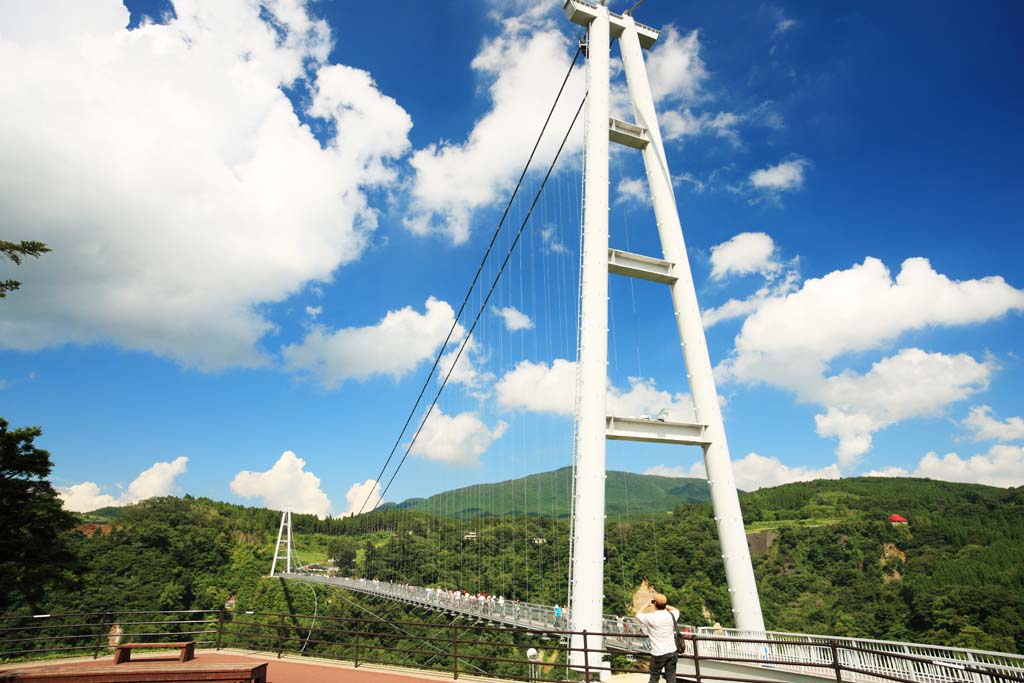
<point>828,561</point>
<point>550,493</point>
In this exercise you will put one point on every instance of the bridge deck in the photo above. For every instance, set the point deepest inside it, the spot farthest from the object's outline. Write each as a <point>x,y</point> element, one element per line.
<point>512,613</point>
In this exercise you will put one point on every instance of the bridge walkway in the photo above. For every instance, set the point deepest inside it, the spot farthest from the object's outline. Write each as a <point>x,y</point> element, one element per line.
<point>495,609</point>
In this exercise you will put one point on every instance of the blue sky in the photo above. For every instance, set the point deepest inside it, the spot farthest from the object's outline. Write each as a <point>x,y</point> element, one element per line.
<point>264,215</point>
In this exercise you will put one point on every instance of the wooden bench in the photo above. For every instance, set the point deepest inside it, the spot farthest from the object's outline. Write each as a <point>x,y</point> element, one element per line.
<point>124,652</point>
<point>137,673</point>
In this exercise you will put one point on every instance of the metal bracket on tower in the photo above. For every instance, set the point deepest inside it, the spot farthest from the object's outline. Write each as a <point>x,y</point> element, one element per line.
<point>641,267</point>
<point>628,134</point>
<point>655,431</point>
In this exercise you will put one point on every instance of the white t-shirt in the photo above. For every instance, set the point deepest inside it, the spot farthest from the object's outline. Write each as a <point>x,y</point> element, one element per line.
<point>660,630</point>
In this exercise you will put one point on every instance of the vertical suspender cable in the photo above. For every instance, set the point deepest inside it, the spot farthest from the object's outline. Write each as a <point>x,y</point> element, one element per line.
<point>476,320</point>
<point>472,285</point>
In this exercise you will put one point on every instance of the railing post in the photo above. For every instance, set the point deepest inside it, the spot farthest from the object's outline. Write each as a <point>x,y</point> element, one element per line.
<point>835,661</point>
<point>455,652</point>
<point>220,627</point>
<point>359,631</point>
<point>99,635</point>
<point>280,637</point>
<point>696,658</point>
<point>586,656</point>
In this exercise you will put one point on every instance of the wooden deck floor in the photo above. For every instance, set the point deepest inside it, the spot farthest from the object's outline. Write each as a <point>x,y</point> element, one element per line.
<point>287,670</point>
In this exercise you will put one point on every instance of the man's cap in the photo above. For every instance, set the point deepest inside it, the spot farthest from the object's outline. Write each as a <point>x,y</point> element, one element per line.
<point>659,599</point>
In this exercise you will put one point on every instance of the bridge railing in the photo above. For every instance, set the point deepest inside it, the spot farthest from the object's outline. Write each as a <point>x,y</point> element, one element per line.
<point>91,633</point>
<point>625,633</point>
<point>514,612</point>
<point>874,661</point>
<point>500,651</point>
<point>870,661</point>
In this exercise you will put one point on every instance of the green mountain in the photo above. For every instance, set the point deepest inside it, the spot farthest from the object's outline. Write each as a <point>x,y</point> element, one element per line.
<point>549,494</point>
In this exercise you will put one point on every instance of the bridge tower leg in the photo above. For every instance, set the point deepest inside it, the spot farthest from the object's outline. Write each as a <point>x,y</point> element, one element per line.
<point>739,571</point>
<point>587,570</point>
<point>593,424</point>
<point>284,536</point>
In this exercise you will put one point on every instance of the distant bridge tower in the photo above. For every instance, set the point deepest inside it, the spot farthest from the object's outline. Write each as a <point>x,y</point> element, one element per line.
<point>284,537</point>
<point>594,425</point>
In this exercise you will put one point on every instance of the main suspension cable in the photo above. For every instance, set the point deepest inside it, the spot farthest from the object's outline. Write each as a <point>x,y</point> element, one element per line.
<point>472,285</point>
<point>483,305</point>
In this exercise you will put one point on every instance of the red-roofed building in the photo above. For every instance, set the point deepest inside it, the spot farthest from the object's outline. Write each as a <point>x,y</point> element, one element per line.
<point>897,519</point>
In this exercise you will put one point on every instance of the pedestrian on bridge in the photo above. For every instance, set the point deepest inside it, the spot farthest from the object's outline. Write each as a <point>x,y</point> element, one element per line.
<point>659,618</point>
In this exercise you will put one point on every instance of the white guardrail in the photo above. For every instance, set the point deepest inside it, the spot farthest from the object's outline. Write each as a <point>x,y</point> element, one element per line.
<point>871,661</point>
<point>812,654</point>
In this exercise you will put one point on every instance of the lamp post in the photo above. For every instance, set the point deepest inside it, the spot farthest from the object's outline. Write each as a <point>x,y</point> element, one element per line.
<point>533,656</point>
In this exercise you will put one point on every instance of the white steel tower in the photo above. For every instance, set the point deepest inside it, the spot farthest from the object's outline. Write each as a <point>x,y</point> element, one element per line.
<point>594,425</point>
<point>284,536</point>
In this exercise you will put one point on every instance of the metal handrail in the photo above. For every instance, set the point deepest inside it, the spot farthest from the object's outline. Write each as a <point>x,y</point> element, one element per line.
<point>846,660</point>
<point>875,661</point>
<point>627,634</point>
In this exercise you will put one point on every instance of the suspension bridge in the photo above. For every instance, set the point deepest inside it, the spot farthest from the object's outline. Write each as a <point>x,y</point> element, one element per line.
<point>581,622</point>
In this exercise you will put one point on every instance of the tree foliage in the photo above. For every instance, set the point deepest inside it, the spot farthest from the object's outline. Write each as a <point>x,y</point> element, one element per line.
<point>33,555</point>
<point>15,251</point>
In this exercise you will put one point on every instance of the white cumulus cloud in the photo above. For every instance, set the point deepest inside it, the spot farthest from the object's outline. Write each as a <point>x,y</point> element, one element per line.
<point>631,190</point>
<point>745,254</point>
<point>677,75</point>
<point>910,384</point>
<point>859,309</point>
<point>1002,465</point>
<point>644,398</point>
<point>286,485</point>
<point>470,371</point>
<point>674,66</point>
<point>740,308</point>
<point>173,179</point>
<point>786,176</point>
<point>515,319</point>
<point>552,241</point>
<point>543,388</point>
<point>791,341</point>
<point>158,480</point>
<point>457,440</point>
<point>538,387</point>
<point>683,123</point>
<point>364,496</point>
<point>523,67</point>
<point>395,345</point>
<point>985,426</point>
<point>86,497</point>
<point>678,471</point>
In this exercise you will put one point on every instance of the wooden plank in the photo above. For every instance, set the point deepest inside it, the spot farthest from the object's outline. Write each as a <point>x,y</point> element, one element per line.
<point>124,651</point>
<point>237,673</point>
<point>139,646</point>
